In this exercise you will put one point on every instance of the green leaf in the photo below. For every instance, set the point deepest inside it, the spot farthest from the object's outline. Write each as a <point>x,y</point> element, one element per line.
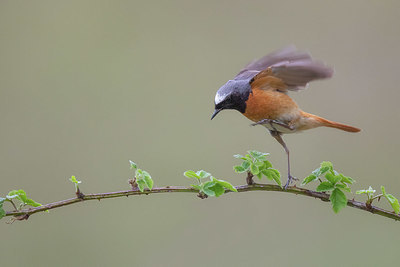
<point>21,196</point>
<point>133,164</point>
<point>325,186</point>
<point>259,164</point>
<point>347,179</point>
<point>394,202</point>
<point>239,169</point>
<point>254,169</point>
<point>370,190</point>
<point>32,203</point>
<point>258,155</point>
<point>74,180</point>
<point>330,177</point>
<point>13,194</point>
<point>239,156</point>
<point>325,166</point>
<point>143,180</point>
<point>273,174</point>
<point>309,179</point>
<point>141,184</point>
<point>191,174</point>
<point>366,191</point>
<point>383,190</point>
<point>147,179</point>
<point>11,197</point>
<point>333,179</point>
<point>2,211</point>
<point>218,189</point>
<point>267,164</point>
<point>343,187</point>
<point>139,174</point>
<point>203,174</point>
<point>336,179</point>
<point>225,184</point>
<point>338,200</point>
<point>255,154</point>
<point>206,188</point>
<point>245,165</point>
<point>18,194</point>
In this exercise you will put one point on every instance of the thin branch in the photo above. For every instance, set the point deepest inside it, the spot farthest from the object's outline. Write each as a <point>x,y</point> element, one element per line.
<point>24,214</point>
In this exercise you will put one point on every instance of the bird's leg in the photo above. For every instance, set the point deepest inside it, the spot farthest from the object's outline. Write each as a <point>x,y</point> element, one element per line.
<point>271,122</point>
<point>262,122</point>
<point>278,136</point>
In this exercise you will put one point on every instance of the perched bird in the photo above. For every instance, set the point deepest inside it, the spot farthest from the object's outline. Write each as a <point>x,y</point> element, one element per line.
<point>260,92</point>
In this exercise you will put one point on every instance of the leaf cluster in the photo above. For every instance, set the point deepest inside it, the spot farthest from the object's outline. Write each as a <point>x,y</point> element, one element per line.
<point>142,178</point>
<point>331,181</point>
<point>212,188</point>
<point>393,201</point>
<point>257,164</point>
<point>20,196</point>
<point>75,182</point>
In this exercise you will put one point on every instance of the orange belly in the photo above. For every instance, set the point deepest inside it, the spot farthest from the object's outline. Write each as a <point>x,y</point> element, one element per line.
<point>274,105</point>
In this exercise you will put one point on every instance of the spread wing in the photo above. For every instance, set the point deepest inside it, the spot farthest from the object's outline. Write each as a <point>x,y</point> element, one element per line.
<point>292,68</point>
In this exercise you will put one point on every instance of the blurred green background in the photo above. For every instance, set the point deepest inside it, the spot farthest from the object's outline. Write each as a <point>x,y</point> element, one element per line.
<point>87,85</point>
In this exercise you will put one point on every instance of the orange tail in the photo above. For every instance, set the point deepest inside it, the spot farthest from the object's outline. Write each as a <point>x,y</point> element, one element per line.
<point>327,123</point>
<point>337,125</point>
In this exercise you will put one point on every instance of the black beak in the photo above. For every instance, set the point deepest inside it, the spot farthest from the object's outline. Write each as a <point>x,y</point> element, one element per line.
<point>215,113</point>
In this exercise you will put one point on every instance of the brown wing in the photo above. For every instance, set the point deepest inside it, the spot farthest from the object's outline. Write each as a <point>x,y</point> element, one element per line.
<point>285,69</point>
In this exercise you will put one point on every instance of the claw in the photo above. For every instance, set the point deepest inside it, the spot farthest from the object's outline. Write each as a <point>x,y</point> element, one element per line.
<point>289,181</point>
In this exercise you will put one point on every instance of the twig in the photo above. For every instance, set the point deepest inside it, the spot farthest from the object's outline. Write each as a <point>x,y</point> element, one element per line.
<point>24,214</point>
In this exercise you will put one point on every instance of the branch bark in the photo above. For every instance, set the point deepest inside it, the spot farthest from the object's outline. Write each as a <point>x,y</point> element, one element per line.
<point>25,213</point>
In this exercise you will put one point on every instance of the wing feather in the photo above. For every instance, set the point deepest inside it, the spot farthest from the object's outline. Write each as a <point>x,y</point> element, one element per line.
<point>295,68</point>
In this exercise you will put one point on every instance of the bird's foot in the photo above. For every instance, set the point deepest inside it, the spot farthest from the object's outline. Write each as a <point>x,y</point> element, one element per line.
<point>289,181</point>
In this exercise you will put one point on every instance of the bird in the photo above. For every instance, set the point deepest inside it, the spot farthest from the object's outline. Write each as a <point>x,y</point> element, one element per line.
<point>260,92</point>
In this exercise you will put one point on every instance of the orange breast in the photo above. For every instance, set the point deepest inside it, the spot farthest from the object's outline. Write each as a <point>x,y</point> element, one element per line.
<point>268,104</point>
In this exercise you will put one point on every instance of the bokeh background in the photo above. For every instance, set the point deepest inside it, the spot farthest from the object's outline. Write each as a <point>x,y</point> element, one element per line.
<point>87,85</point>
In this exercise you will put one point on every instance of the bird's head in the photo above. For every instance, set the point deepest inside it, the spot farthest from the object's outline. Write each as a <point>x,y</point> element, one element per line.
<point>232,95</point>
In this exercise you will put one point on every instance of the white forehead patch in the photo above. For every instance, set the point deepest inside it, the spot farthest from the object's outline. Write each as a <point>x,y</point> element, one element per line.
<point>219,98</point>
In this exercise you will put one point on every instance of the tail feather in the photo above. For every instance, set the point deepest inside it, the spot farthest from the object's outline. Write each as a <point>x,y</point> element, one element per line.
<point>318,121</point>
<point>337,125</point>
